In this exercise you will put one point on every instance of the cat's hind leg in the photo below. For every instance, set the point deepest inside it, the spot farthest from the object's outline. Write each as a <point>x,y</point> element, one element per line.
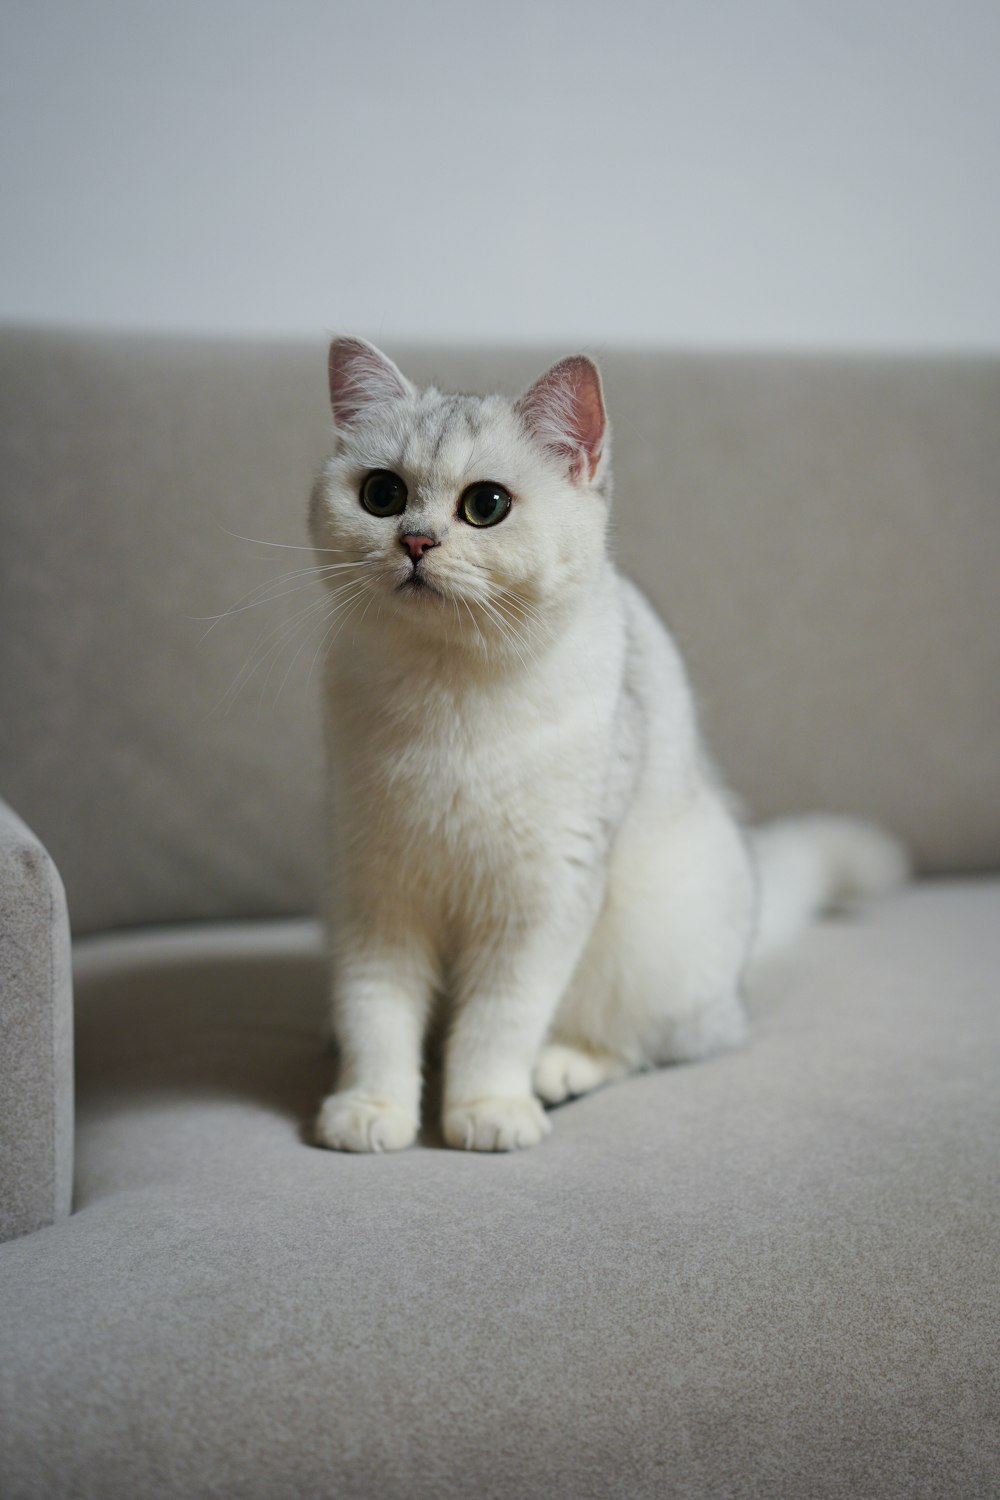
<point>564,1071</point>
<point>659,979</point>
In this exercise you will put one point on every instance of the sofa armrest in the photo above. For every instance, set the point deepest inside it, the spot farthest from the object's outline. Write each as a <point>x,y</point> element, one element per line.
<point>36,1035</point>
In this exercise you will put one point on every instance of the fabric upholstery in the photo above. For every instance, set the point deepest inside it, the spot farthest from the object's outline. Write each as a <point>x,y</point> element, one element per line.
<point>823,534</point>
<point>36,1035</point>
<point>768,1276</point>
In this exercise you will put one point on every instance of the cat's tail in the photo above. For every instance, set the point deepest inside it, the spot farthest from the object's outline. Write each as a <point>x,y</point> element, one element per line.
<point>815,864</point>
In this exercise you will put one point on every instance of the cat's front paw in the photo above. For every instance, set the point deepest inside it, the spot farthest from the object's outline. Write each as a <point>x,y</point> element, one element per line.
<point>495,1124</point>
<point>354,1122</point>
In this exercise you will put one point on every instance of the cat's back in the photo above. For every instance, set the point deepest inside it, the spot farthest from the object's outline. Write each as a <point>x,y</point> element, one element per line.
<point>656,689</point>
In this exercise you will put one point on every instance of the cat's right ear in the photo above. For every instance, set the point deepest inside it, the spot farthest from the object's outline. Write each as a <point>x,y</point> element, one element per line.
<point>362,377</point>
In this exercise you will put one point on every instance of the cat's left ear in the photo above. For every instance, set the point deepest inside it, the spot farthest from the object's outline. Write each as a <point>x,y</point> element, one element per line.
<point>564,410</point>
<point>362,377</point>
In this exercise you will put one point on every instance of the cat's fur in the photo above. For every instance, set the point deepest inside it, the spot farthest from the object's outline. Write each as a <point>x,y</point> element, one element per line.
<point>524,819</point>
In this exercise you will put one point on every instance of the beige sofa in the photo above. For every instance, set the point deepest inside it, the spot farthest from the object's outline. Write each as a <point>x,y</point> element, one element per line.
<point>770,1275</point>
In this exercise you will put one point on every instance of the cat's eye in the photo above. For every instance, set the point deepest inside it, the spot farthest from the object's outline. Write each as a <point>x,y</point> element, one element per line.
<point>383,493</point>
<point>484,503</point>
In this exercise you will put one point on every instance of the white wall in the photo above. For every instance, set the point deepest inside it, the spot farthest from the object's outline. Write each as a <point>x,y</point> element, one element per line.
<point>699,171</point>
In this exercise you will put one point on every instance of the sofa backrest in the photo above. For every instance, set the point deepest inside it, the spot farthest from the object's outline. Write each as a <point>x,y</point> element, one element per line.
<point>823,534</point>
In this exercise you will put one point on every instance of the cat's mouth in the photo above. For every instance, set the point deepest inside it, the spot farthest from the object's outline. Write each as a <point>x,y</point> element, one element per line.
<point>416,583</point>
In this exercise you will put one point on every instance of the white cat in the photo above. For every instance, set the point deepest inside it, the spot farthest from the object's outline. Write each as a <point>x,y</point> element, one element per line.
<point>524,820</point>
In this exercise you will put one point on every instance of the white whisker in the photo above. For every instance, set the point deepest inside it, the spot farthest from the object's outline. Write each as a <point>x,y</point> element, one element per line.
<point>325,621</point>
<point>505,627</point>
<point>475,625</point>
<point>314,575</point>
<point>362,585</point>
<point>263,542</point>
<point>255,659</point>
<point>351,605</point>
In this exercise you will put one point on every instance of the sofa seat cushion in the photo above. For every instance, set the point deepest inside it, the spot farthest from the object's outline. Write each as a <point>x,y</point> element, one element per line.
<point>769,1275</point>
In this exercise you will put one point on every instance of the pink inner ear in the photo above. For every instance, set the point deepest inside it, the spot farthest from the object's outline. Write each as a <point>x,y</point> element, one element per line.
<point>565,410</point>
<point>361,376</point>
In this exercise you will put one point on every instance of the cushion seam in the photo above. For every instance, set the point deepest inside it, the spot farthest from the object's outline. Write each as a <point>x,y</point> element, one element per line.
<point>53,1173</point>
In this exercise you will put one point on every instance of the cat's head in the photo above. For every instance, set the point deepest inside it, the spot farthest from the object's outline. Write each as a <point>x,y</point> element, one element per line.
<point>480,520</point>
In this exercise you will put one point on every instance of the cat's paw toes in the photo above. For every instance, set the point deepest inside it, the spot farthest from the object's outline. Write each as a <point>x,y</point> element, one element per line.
<point>495,1124</point>
<point>562,1072</point>
<point>353,1122</point>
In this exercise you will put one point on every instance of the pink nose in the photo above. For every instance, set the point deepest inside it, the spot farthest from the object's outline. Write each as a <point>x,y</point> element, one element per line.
<point>416,545</point>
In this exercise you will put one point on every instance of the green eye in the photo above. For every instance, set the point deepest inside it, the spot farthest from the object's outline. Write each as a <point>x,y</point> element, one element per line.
<point>383,494</point>
<point>484,503</point>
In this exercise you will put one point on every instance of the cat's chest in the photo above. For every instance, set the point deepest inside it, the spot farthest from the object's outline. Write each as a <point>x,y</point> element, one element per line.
<point>466,770</point>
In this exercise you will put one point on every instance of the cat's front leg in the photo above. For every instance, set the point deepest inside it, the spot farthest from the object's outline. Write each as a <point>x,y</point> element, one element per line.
<point>380,1009</point>
<point>503,1014</point>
